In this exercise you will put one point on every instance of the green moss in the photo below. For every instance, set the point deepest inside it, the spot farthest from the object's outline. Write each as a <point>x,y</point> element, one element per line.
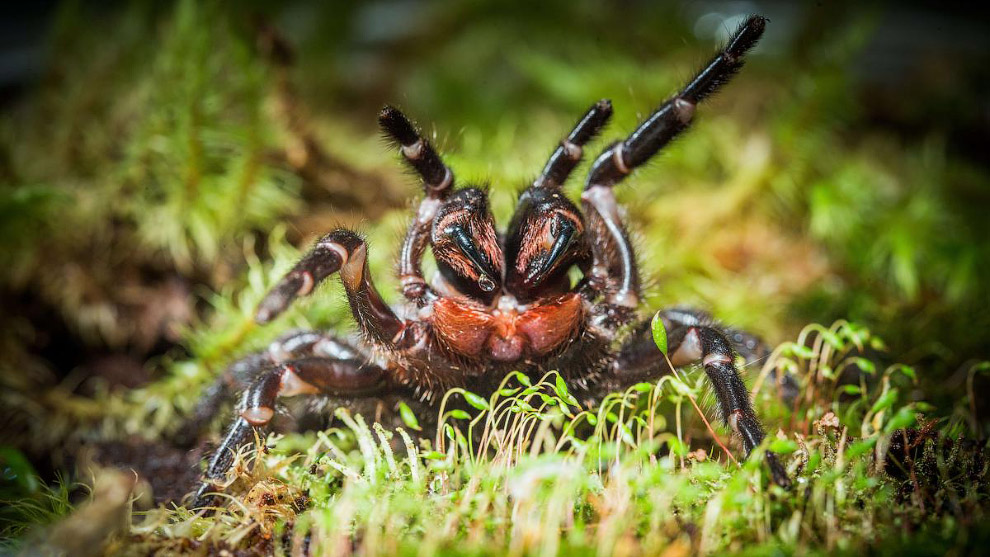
<point>153,145</point>
<point>636,482</point>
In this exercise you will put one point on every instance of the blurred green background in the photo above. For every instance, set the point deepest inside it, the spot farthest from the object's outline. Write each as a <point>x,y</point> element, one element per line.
<point>154,155</point>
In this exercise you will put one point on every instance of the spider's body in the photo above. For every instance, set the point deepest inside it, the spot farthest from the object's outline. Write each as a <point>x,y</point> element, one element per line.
<point>501,302</point>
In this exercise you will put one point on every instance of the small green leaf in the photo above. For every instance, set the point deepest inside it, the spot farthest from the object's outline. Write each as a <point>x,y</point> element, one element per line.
<point>902,419</point>
<point>885,401</point>
<point>548,400</point>
<point>803,351</point>
<point>814,459</point>
<point>860,448</point>
<point>434,455</point>
<point>592,420</point>
<point>561,386</point>
<point>852,389</point>
<point>459,415</point>
<point>508,392</point>
<point>477,401</point>
<point>569,399</point>
<point>408,417</point>
<point>659,333</point>
<point>783,446</point>
<point>907,371</point>
<point>643,387</point>
<point>866,366</point>
<point>522,406</point>
<point>626,434</point>
<point>827,372</point>
<point>833,339</point>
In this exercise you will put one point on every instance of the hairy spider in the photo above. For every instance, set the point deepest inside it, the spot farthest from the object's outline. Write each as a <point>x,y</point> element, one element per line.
<point>499,302</point>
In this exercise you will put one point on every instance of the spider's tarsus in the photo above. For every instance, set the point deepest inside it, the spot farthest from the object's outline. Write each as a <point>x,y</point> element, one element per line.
<point>592,123</point>
<point>747,35</point>
<point>397,126</point>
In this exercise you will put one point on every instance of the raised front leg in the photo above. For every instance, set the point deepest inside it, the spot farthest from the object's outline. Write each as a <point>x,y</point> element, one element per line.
<point>568,154</point>
<point>438,181</point>
<point>614,264</point>
<point>345,252</point>
<point>693,338</point>
<point>306,376</point>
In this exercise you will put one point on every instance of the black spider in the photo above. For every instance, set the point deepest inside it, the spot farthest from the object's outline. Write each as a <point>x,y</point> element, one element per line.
<point>500,302</point>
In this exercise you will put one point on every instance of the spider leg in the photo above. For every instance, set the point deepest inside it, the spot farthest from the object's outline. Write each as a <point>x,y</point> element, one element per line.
<point>568,154</point>
<point>238,375</point>
<point>438,181</point>
<point>345,252</point>
<point>304,376</point>
<point>753,349</point>
<point>614,268</point>
<point>690,339</point>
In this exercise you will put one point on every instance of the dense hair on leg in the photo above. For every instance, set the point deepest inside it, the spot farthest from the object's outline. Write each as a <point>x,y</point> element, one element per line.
<point>676,114</point>
<point>613,257</point>
<point>417,151</point>
<point>568,154</point>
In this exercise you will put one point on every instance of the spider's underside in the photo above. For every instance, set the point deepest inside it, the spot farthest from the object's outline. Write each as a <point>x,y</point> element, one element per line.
<point>499,302</point>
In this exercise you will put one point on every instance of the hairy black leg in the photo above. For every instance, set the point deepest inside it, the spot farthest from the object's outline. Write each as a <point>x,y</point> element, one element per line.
<point>305,376</point>
<point>751,347</point>
<point>345,252</point>
<point>568,154</point>
<point>438,181</point>
<point>614,268</point>
<point>691,339</point>
<point>238,375</point>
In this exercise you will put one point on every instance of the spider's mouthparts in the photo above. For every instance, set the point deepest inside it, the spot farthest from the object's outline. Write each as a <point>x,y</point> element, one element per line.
<point>560,246</point>
<point>470,250</point>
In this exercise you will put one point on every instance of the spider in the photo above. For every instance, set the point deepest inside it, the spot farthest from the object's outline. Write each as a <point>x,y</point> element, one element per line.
<point>499,301</point>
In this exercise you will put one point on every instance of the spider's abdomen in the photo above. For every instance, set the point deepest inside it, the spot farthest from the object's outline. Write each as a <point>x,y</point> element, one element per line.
<point>509,331</point>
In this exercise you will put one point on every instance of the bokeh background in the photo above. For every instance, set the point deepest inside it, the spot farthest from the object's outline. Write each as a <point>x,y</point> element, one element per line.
<point>160,163</point>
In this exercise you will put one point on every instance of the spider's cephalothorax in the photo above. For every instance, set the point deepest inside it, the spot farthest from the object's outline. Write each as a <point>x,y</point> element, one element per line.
<point>499,302</point>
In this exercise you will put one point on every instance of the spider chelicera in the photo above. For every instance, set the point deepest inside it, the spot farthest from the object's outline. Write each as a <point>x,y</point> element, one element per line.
<point>499,302</point>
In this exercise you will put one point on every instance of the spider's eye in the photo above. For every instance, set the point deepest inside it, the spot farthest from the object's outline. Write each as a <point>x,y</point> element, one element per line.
<point>465,245</point>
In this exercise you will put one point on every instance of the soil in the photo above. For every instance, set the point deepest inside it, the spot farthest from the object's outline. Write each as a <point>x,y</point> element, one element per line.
<point>171,471</point>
